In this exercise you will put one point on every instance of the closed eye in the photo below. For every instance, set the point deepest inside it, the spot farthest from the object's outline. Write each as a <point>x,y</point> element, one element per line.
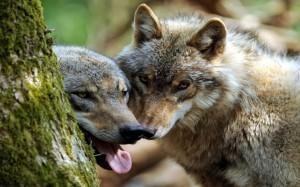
<point>142,82</point>
<point>82,101</point>
<point>84,95</point>
<point>144,79</point>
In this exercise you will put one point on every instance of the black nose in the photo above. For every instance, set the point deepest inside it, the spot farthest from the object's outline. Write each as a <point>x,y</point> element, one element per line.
<point>132,133</point>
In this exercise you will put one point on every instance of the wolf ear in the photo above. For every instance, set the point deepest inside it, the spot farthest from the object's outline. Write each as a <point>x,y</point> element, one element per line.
<point>146,25</point>
<point>210,39</point>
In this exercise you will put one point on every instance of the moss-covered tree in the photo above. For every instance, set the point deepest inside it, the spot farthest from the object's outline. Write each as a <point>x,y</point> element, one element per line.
<point>40,144</point>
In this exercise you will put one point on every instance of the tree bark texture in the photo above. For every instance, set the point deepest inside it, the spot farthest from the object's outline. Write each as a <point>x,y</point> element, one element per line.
<point>40,142</point>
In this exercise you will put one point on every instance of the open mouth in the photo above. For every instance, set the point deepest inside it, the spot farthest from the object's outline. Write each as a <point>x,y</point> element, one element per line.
<point>109,155</point>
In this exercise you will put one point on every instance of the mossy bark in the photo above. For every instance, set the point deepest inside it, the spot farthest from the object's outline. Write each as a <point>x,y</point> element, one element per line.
<point>40,143</point>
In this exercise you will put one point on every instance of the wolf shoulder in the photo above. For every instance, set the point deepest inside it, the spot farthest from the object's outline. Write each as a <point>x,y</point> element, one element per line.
<point>277,82</point>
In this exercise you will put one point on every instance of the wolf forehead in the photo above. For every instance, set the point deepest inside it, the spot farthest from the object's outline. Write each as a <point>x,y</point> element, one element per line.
<point>169,54</point>
<point>91,65</point>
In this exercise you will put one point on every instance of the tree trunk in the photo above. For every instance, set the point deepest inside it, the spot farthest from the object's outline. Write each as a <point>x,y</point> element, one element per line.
<point>40,142</point>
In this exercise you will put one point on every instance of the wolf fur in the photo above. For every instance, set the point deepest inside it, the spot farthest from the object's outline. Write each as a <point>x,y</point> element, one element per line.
<point>224,106</point>
<point>98,92</point>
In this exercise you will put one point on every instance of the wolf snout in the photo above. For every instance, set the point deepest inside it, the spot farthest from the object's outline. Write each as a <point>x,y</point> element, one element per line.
<point>133,133</point>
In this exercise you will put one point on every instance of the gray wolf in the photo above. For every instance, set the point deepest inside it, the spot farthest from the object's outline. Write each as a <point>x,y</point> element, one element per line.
<point>224,106</point>
<point>98,91</point>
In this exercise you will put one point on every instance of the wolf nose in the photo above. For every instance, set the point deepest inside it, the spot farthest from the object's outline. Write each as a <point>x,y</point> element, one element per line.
<point>132,133</point>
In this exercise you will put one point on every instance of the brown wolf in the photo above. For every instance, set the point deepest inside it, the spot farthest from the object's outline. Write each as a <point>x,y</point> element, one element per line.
<point>225,107</point>
<point>98,92</point>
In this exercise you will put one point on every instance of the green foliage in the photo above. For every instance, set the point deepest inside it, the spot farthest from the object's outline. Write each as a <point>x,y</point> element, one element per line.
<point>69,19</point>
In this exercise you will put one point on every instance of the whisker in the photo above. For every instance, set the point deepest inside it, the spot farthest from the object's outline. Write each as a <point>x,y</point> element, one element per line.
<point>100,154</point>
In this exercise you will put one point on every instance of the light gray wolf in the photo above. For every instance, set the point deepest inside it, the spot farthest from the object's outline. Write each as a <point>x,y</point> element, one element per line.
<point>224,106</point>
<point>98,92</point>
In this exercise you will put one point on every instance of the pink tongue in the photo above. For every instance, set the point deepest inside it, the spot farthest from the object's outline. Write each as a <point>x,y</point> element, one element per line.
<point>119,161</point>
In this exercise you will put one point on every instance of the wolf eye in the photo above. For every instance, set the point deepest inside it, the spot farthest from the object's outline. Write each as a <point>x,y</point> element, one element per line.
<point>82,94</point>
<point>124,93</point>
<point>183,85</point>
<point>144,79</point>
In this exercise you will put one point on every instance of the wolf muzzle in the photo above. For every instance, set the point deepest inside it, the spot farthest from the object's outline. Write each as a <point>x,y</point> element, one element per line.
<point>133,133</point>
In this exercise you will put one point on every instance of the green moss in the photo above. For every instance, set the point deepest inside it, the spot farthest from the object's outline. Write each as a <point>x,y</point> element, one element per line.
<point>32,104</point>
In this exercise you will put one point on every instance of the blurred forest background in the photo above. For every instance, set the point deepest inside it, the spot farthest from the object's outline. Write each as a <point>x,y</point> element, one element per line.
<point>105,25</point>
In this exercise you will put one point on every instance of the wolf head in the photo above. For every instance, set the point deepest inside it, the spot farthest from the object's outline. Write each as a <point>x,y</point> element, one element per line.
<point>98,91</point>
<point>177,65</point>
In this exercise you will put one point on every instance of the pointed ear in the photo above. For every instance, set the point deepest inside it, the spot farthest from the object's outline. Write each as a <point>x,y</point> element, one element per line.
<point>210,39</point>
<point>146,25</point>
